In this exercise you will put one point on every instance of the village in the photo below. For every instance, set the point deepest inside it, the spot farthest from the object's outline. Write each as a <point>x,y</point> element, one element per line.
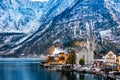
<point>83,59</point>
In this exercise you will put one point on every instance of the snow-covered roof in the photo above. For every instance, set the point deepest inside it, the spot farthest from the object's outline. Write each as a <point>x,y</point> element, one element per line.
<point>57,51</point>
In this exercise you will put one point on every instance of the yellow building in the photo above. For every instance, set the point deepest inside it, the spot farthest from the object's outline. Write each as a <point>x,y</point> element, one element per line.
<point>60,58</point>
<point>118,63</point>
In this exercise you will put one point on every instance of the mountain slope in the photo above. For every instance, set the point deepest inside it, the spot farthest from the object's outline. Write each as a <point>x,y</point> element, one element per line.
<point>63,21</point>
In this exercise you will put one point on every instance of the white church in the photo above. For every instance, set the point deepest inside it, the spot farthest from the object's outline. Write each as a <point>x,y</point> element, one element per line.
<point>86,52</point>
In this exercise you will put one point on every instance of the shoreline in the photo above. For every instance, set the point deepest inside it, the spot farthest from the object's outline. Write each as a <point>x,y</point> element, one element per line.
<point>98,73</point>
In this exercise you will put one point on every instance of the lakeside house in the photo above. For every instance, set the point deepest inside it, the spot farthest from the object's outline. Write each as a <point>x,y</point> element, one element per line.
<point>58,56</point>
<point>110,58</point>
<point>110,62</point>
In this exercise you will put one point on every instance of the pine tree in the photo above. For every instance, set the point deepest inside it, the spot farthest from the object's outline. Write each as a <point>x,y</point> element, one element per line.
<point>72,57</point>
<point>81,61</point>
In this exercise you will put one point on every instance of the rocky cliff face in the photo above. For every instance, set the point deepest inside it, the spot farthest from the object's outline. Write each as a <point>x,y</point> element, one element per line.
<point>41,24</point>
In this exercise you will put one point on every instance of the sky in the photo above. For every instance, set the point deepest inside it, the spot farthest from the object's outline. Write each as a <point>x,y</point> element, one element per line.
<point>39,0</point>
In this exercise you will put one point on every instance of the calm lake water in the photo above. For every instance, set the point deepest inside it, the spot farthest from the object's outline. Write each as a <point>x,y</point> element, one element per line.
<point>32,71</point>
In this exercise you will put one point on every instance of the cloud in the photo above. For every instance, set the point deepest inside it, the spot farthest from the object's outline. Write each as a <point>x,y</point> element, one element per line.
<point>39,0</point>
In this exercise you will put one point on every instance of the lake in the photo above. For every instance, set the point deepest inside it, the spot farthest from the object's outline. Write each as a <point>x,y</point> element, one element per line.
<point>26,70</point>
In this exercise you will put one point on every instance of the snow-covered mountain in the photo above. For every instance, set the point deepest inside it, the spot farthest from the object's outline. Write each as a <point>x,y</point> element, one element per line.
<point>114,9</point>
<point>35,25</point>
<point>20,15</point>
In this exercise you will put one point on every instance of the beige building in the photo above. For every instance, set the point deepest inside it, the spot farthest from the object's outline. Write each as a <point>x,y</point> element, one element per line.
<point>110,58</point>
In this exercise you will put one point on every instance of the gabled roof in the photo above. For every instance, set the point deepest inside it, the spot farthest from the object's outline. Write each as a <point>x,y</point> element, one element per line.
<point>58,50</point>
<point>80,48</point>
<point>109,53</point>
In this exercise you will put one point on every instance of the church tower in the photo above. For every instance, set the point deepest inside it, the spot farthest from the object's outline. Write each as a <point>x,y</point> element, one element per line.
<point>90,44</point>
<point>91,47</point>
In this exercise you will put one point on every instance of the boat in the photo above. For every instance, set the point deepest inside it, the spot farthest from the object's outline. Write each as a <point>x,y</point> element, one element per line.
<point>44,64</point>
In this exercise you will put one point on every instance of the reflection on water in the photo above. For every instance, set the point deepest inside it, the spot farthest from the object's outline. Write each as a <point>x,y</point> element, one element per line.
<point>79,76</point>
<point>32,71</point>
